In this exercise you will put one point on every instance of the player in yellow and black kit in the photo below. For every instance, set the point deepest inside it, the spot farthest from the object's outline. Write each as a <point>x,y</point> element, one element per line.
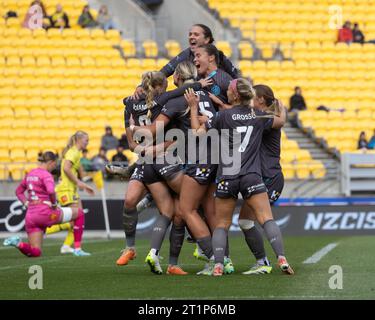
<point>66,190</point>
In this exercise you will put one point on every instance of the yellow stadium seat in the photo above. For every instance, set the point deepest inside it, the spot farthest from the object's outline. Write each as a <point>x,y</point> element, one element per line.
<point>20,111</point>
<point>32,154</point>
<point>128,48</point>
<point>39,34</point>
<point>17,155</point>
<point>288,171</point>
<point>150,49</point>
<point>13,61</point>
<point>5,111</point>
<point>54,33</point>
<point>43,61</point>
<point>28,61</point>
<point>173,48</point>
<point>4,173</point>
<point>83,33</point>
<point>246,50</point>
<point>58,62</point>
<point>16,170</point>
<point>225,47</point>
<point>88,62</point>
<point>4,155</point>
<point>24,33</point>
<point>113,36</point>
<point>69,34</point>
<point>303,171</point>
<point>303,155</point>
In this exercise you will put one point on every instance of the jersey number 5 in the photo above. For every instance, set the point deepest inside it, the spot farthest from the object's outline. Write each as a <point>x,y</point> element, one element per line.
<point>204,111</point>
<point>246,140</point>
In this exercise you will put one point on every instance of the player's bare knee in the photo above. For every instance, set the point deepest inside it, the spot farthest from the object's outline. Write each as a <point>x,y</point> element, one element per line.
<point>131,202</point>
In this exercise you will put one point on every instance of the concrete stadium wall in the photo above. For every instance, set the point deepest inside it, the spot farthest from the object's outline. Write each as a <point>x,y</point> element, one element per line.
<point>131,19</point>
<point>175,17</point>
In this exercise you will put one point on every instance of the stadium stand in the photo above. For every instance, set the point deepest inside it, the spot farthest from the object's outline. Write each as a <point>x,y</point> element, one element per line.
<point>337,76</point>
<point>55,82</point>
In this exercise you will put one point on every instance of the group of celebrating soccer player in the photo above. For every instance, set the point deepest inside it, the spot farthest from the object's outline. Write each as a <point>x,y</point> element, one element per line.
<point>213,116</point>
<point>211,100</point>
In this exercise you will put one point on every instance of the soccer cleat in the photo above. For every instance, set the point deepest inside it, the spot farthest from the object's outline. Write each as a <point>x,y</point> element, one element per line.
<point>198,254</point>
<point>153,261</point>
<point>176,270</point>
<point>208,269</point>
<point>12,241</point>
<point>218,270</point>
<point>228,266</point>
<point>66,249</point>
<point>259,269</point>
<point>284,265</point>
<point>127,255</point>
<point>145,202</point>
<point>80,253</point>
<point>119,170</point>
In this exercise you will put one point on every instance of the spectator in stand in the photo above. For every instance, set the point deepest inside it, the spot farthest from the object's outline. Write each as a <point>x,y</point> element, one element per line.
<point>124,141</point>
<point>86,162</point>
<point>10,14</point>
<point>59,19</point>
<point>297,102</point>
<point>109,141</point>
<point>100,160</point>
<point>345,33</point>
<point>86,20</point>
<point>371,143</point>
<point>362,142</point>
<point>105,20</point>
<point>357,34</point>
<point>119,156</point>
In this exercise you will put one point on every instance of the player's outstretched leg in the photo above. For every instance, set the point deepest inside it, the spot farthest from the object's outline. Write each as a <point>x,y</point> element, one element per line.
<point>24,247</point>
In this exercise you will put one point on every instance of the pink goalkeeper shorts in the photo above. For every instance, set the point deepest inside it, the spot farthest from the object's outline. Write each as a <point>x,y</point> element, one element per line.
<point>40,217</point>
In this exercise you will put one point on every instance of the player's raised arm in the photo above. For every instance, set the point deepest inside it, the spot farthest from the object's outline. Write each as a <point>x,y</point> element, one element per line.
<point>193,100</point>
<point>280,115</point>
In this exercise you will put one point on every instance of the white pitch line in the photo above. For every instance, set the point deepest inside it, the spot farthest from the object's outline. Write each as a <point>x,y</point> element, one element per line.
<point>320,254</point>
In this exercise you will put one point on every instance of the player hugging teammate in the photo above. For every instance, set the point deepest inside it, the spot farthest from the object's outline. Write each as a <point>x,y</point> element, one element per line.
<point>201,194</point>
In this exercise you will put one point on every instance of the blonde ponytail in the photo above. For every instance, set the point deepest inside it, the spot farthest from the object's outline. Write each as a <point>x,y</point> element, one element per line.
<point>150,80</point>
<point>73,140</point>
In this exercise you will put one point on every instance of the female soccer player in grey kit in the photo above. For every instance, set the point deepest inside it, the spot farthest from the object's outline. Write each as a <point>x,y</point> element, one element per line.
<point>198,175</point>
<point>143,111</point>
<point>243,122</point>
<point>272,176</point>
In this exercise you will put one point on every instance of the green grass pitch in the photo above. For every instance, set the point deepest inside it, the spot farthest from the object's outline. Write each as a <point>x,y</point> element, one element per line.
<point>98,277</point>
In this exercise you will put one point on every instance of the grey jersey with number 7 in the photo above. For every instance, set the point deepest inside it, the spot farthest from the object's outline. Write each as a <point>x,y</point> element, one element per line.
<point>241,131</point>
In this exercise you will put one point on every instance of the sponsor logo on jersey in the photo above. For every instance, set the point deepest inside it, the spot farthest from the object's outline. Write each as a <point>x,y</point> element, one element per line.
<point>215,90</point>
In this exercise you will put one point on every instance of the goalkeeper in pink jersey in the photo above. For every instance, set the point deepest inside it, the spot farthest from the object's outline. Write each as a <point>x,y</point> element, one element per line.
<point>42,209</point>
